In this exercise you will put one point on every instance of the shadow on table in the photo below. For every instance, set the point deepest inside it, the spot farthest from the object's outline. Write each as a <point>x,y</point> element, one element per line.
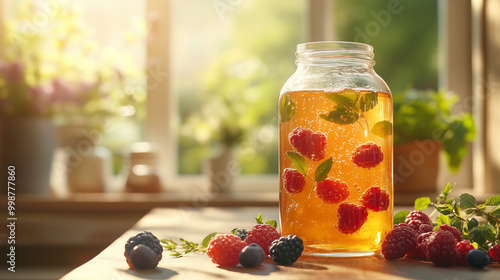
<point>268,267</point>
<point>156,273</point>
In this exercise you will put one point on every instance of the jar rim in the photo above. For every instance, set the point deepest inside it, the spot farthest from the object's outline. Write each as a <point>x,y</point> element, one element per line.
<point>313,52</point>
<point>334,45</point>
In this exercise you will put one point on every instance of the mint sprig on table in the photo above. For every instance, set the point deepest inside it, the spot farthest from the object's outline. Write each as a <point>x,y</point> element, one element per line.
<point>182,247</point>
<point>477,222</point>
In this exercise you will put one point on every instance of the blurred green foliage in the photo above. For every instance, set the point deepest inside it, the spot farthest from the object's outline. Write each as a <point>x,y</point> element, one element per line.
<point>404,35</point>
<point>421,115</point>
<point>237,101</point>
<point>55,67</point>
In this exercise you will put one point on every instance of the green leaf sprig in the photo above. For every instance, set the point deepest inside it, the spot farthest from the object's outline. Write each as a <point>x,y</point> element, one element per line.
<point>183,247</point>
<point>477,222</point>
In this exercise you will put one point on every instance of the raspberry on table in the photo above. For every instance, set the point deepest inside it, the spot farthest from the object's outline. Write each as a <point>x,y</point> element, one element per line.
<point>293,181</point>
<point>424,228</point>
<point>351,217</point>
<point>286,250</point>
<point>224,249</point>
<point>332,190</point>
<point>375,199</point>
<point>452,230</point>
<point>494,252</point>
<point>145,238</point>
<point>263,235</point>
<point>399,242</point>
<point>367,155</point>
<point>308,143</point>
<point>463,248</point>
<point>422,244</point>
<point>441,248</point>
<point>416,218</point>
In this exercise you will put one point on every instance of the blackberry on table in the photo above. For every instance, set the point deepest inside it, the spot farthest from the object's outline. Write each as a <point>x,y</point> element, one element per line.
<point>145,238</point>
<point>242,233</point>
<point>286,250</point>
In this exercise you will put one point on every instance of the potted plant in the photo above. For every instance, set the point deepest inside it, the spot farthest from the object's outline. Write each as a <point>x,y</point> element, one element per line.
<point>424,126</point>
<point>221,129</point>
<point>55,74</point>
<point>230,127</point>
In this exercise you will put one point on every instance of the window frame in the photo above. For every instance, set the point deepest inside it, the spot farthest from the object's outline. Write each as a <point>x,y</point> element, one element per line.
<point>320,17</point>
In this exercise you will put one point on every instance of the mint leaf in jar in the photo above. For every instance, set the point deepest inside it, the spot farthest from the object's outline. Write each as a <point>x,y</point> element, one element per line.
<point>341,115</point>
<point>298,161</point>
<point>323,169</point>
<point>368,101</point>
<point>287,109</point>
<point>382,129</point>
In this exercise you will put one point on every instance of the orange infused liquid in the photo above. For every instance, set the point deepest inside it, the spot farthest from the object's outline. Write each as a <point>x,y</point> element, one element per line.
<point>342,136</point>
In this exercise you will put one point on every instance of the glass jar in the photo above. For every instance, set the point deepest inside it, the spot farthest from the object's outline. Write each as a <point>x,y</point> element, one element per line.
<point>143,172</point>
<point>335,130</point>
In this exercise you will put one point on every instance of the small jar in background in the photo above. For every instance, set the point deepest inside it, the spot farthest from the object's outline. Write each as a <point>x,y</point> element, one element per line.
<point>143,172</point>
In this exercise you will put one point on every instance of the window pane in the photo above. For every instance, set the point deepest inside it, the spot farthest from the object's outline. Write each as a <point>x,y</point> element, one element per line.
<point>229,62</point>
<point>89,58</point>
<point>404,35</point>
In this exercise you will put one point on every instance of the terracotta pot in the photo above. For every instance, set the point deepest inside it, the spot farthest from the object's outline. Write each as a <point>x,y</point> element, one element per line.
<point>28,144</point>
<point>416,166</point>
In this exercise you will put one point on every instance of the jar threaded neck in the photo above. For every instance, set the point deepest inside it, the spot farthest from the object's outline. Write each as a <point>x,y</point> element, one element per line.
<point>334,51</point>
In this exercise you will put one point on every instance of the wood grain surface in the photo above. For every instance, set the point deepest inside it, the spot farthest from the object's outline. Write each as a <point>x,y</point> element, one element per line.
<point>195,223</point>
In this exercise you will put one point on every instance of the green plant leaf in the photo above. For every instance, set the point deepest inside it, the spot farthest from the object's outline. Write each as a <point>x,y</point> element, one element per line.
<point>287,109</point>
<point>400,217</point>
<point>323,169</point>
<point>368,101</point>
<point>442,220</point>
<point>467,201</point>
<point>445,192</point>
<point>341,115</point>
<point>382,129</point>
<point>207,239</point>
<point>234,230</point>
<point>344,99</point>
<point>483,233</point>
<point>422,203</point>
<point>298,161</point>
<point>272,223</point>
<point>493,201</point>
<point>455,140</point>
<point>492,221</point>
<point>258,220</point>
<point>472,223</point>
<point>444,209</point>
<point>456,222</point>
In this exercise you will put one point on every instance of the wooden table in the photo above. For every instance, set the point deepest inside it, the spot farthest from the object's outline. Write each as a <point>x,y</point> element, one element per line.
<point>195,223</point>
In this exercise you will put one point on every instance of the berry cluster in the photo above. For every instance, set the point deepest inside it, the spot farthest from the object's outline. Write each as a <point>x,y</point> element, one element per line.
<point>443,247</point>
<point>261,240</point>
<point>311,145</point>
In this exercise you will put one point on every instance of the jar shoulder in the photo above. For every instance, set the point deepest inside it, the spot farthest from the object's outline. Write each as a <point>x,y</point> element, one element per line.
<point>335,78</point>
